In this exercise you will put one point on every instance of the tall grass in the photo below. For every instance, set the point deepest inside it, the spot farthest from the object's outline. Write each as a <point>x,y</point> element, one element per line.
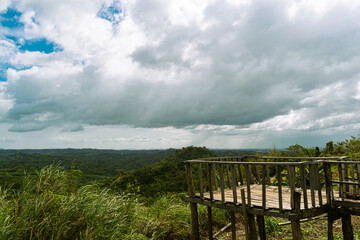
<point>45,208</point>
<point>49,207</point>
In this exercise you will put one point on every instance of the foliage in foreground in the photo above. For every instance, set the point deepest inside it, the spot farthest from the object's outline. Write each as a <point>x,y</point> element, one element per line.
<point>47,207</point>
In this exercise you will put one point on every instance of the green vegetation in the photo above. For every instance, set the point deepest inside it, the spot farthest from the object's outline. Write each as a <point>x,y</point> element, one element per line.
<point>85,194</point>
<point>49,207</point>
<point>94,164</point>
<point>167,176</point>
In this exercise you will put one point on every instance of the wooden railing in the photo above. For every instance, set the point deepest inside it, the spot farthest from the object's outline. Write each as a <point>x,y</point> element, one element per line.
<point>345,182</point>
<point>306,175</point>
<point>303,188</point>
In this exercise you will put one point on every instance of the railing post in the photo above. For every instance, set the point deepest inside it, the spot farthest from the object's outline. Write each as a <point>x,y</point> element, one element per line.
<point>295,224</point>
<point>328,186</point>
<point>195,235</point>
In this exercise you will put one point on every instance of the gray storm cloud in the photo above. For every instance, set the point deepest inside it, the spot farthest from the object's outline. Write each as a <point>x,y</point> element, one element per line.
<point>238,65</point>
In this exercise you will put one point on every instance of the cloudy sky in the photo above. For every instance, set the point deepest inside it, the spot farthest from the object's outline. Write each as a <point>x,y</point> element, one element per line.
<point>157,74</point>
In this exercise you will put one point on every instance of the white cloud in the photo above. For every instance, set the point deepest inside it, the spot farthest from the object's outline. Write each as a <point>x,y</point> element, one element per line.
<point>212,68</point>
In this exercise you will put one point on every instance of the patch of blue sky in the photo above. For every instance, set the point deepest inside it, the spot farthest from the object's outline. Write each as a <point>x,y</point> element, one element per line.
<point>10,18</point>
<point>40,45</point>
<point>113,12</point>
<point>4,66</point>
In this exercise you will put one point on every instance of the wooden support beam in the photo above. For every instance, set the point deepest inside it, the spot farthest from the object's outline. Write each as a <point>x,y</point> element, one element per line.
<point>295,225</point>
<point>328,187</point>
<point>210,225</point>
<point>195,234</point>
<point>252,226</point>
<point>244,212</point>
<point>261,225</point>
<point>347,227</point>
<point>233,225</point>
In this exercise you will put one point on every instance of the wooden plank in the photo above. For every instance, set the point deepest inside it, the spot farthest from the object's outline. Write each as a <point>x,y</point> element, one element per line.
<point>247,173</point>
<point>312,184</point>
<point>240,175</point>
<point>267,173</point>
<point>291,179</point>
<point>209,178</point>
<point>210,225</point>
<point>295,225</point>
<point>347,229</point>
<point>279,178</point>
<point>222,183</point>
<point>303,185</point>
<point>195,234</point>
<point>341,187</point>
<point>358,178</point>
<point>261,225</point>
<point>352,172</point>
<point>228,175</point>
<point>215,177</point>
<point>345,176</point>
<point>346,183</point>
<point>233,176</point>
<point>201,184</point>
<point>257,173</point>
<point>233,225</point>
<point>252,227</point>
<point>244,212</point>
<point>263,187</point>
<point>318,183</point>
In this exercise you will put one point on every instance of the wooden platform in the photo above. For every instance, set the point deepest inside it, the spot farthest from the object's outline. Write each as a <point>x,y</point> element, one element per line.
<point>272,197</point>
<point>290,188</point>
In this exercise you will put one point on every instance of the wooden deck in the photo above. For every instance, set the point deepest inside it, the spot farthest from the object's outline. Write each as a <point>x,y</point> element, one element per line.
<point>291,188</point>
<point>272,197</point>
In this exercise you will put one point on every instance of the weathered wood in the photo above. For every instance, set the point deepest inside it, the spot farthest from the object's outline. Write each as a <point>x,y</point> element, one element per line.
<point>248,184</point>
<point>295,225</point>
<point>240,175</point>
<point>312,184</point>
<point>233,176</point>
<point>222,183</point>
<point>303,185</point>
<point>252,226</point>
<point>266,200</point>
<point>330,226</point>
<point>263,187</point>
<point>318,184</point>
<point>222,230</point>
<point>195,234</point>
<point>257,174</point>
<point>291,178</point>
<point>352,172</point>
<point>209,179</point>
<point>267,170</point>
<point>304,220</point>
<point>228,175</point>
<point>358,178</point>
<point>233,225</point>
<point>201,184</point>
<point>261,225</point>
<point>244,213</point>
<point>328,188</point>
<point>341,187</point>
<point>214,175</point>
<point>210,225</point>
<point>345,176</point>
<point>279,178</point>
<point>347,227</point>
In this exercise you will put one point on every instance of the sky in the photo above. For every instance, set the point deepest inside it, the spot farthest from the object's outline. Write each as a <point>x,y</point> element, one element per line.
<point>156,74</point>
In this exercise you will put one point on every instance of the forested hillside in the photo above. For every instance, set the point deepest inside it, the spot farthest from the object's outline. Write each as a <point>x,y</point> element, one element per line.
<point>93,164</point>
